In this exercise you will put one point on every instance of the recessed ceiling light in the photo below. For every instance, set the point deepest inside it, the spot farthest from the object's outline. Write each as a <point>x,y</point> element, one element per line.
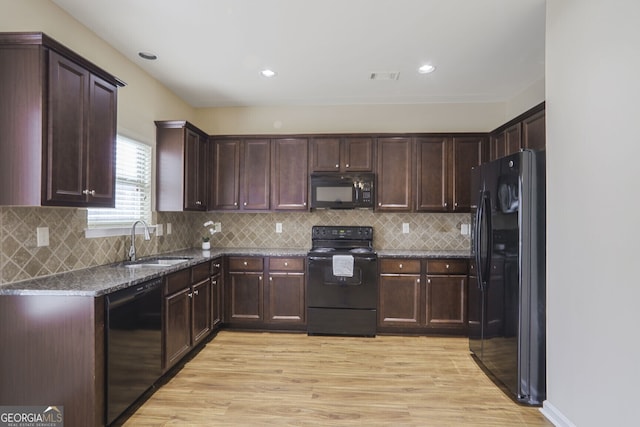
<point>148,56</point>
<point>426,69</point>
<point>267,73</point>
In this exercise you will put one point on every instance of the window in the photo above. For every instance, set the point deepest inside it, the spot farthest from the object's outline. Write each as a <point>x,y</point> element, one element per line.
<point>133,187</point>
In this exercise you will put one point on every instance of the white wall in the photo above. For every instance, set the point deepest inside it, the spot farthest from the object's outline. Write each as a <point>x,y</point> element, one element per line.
<point>593,147</point>
<point>352,118</point>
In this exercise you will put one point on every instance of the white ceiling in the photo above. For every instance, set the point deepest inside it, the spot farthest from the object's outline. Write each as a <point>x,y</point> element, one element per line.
<point>210,52</point>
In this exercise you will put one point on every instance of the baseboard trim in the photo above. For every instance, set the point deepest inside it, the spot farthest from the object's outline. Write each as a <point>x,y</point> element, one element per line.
<point>555,416</point>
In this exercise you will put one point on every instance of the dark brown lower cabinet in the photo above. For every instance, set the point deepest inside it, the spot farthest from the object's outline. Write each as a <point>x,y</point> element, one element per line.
<point>285,294</point>
<point>422,296</point>
<point>187,312</point>
<point>244,291</point>
<point>400,294</point>
<point>275,303</point>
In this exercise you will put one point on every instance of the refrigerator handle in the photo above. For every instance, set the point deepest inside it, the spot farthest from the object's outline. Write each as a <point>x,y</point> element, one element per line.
<point>477,242</point>
<point>484,269</point>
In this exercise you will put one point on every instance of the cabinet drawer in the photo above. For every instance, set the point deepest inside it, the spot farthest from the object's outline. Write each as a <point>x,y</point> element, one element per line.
<point>447,266</point>
<point>286,264</point>
<point>245,264</point>
<point>216,266</point>
<point>199,272</point>
<point>177,281</point>
<point>399,266</point>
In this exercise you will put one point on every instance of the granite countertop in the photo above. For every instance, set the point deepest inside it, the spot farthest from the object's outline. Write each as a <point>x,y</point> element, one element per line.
<point>397,253</point>
<point>104,279</point>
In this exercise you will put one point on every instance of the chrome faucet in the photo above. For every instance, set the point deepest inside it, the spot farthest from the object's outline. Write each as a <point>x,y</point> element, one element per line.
<point>147,236</point>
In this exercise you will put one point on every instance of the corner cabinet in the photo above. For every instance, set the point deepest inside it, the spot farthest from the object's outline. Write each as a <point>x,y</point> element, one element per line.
<point>58,127</point>
<point>181,167</point>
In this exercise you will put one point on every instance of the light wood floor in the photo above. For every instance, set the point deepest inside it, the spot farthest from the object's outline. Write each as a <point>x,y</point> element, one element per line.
<point>277,379</point>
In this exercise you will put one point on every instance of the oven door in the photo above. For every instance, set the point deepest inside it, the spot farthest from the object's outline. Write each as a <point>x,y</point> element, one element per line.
<point>359,291</point>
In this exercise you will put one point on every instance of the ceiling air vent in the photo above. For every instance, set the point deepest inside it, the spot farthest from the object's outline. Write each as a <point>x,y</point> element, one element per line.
<point>385,76</point>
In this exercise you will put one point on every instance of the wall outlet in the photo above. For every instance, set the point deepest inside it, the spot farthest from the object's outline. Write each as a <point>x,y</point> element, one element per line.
<point>405,228</point>
<point>159,230</point>
<point>278,227</point>
<point>217,227</point>
<point>168,228</point>
<point>42,236</point>
<point>465,229</point>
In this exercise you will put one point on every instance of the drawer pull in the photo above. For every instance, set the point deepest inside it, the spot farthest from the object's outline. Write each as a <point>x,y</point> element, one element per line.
<point>286,264</point>
<point>244,263</point>
<point>400,266</point>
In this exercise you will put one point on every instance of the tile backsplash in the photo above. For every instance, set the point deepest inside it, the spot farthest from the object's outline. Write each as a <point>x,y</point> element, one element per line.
<point>21,258</point>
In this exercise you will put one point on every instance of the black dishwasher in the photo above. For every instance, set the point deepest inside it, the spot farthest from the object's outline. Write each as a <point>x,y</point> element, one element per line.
<point>133,344</point>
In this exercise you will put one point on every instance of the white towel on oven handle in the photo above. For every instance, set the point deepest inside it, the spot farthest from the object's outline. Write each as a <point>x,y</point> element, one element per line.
<point>343,265</point>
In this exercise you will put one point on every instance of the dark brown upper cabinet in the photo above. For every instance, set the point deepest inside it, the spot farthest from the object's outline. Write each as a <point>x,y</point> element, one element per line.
<point>432,183</point>
<point>341,154</point>
<point>255,170</point>
<point>534,131</point>
<point>467,152</point>
<point>527,131</point>
<point>224,176</point>
<point>394,171</point>
<point>289,174</point>
<point>240,175</point>
<point>181,154</point>
<point>58,126</point>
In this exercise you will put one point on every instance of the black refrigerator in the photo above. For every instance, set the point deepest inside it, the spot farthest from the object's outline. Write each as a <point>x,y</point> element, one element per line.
<point>507,289</point>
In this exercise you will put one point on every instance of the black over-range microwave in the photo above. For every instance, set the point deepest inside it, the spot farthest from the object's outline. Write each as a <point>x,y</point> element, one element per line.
<point>334,190</point>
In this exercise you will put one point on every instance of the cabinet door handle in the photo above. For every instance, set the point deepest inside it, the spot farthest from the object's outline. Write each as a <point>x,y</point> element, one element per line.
<point>271,279</point>
<point>379,203</point>
<point>304,204</point>
<point>418,281</point>
<point>429,281</point>
<point>235,203</point>
<point>198,203</point>
<point>446,204</point>
<point>89,192</point>
<point>455,205</point>
<point>195,292</point>
<point>337,166</point>
<point>190,295</point>
<point>347,165</point>
<point>215,282</point>
<point>245,203</point>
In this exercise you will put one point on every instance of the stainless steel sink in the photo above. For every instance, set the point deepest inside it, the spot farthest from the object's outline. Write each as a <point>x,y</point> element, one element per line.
<point>156,262</point>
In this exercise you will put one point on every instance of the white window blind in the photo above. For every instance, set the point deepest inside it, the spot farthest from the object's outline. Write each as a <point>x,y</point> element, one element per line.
<point>133,187</point>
